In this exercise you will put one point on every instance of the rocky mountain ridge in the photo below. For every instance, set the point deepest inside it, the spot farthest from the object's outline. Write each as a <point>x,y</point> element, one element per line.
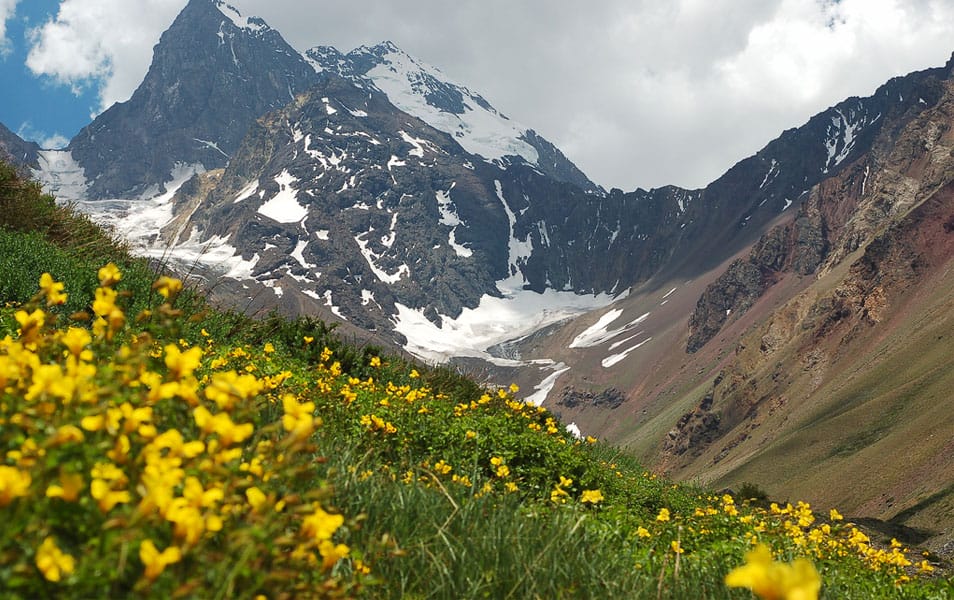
<point>213,73</point>
<point>16,151</point>
<point>425,92</point>
<point>823,347</point>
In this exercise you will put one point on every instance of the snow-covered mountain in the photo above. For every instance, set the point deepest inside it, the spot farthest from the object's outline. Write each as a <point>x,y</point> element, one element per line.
<point>424,91</point>
<point>368,186</point>
<point>392,225</point>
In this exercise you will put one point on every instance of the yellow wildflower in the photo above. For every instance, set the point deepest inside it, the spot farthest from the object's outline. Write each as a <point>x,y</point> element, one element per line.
<point>221,424</point>
<point>109,275</point>
<point>643,532</point>
<point>67,434</point>
<point>321,525</point>
<point>189,522</point>
<point>14,483</point>
<point>104,301</point>
<point>69,488</point>
<point>228,387</point>
<point>76,339</point>
<point>49,380</point>
<point>200,497</point>
<point>299,419</point>
<point>106,497</point>
<point>53,562</point>
<point>53,290</point>
<point>30,324</point>
<point>104,305</point>
<point>771,580</point>
<point>592,496</point>
<point>182,364</point>
<point>857,537</point>
<point>663,515</point>
<point>168,287</point>
<point>256,498</point>
<point>925,567</point>
<point>331,553</point>
<point>155,561</point>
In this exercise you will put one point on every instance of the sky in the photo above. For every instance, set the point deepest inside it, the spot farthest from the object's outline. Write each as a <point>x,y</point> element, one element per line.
<point>637,93</point>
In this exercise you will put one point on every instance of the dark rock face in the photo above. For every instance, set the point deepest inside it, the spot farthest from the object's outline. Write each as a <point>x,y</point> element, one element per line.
<point>411,218</point>
<point>798,247</point>
<point>736,289</point>
<point>609,398</point>
<point>553,162</point>
<point>209,80</point>
<point>694,430</point>
<point>364,183</point>
<point>16,151</point>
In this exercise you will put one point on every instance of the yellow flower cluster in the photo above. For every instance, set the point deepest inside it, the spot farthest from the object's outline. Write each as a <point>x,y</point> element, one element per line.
<point>106,428</point>
<point>796,525</point>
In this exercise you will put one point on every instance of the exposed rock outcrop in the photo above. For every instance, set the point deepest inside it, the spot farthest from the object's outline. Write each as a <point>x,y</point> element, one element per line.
<point>21,154</point>
<point>610,398</point>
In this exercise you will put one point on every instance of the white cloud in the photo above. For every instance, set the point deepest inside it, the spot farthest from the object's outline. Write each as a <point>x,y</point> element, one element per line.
<point>7,10</point>
<point>47,141</point>
<point>106,43</point>
<point>648,93</point>
<point>641,93</point>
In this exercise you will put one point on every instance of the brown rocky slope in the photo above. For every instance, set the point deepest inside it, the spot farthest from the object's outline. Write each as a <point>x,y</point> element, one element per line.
<point>844,395</point>
<point>816,363</point>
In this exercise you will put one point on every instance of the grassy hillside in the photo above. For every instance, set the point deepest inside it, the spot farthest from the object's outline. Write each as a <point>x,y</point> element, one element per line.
<point>155,446</point>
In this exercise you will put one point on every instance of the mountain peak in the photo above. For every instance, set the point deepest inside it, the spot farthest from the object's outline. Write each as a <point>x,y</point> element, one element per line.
<point>241,21</point>
<point>213,72</point>
<point>387,46</point>
<point>424,91</point>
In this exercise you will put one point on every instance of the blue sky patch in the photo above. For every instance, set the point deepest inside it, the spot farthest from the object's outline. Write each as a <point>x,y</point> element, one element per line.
<point>38,108</point>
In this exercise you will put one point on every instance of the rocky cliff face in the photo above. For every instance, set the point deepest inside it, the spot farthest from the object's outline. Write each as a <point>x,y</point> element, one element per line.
<point>852,369</point>
<point>832,221</point>
<point>213,73</point>
<point>16,151</point>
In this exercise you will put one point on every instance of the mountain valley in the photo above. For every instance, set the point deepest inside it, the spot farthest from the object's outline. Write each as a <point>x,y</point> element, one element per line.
<point>790,325</point>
